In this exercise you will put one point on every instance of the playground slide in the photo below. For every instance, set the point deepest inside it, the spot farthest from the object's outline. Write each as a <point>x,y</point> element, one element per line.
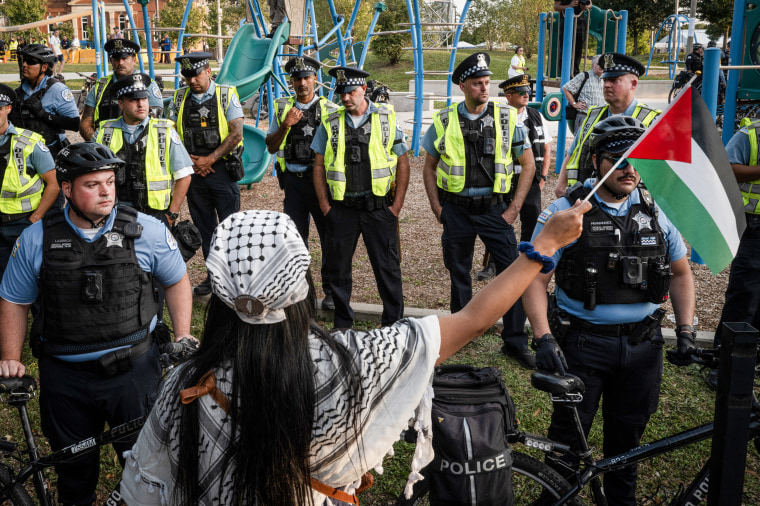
<point>249,59</point>
<point>256,158</point>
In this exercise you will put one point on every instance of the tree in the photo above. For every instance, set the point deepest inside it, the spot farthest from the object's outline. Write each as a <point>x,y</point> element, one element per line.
<point>345,7</point>
<point>719,14</point>
<point>392,46</point>
<point>485,20</point>
<point>522,25</point>
<point>232,12</point>
<point>20,12</point>
<point>643,16</point>
<point>171,16</point>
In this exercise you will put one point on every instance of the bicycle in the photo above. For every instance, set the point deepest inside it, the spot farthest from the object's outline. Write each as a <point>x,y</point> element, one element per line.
<point>89,82</point>
<point>536,483</point>
<point>30,463</point>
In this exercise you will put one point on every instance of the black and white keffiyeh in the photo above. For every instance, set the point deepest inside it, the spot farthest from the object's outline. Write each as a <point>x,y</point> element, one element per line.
<point>257,264</point>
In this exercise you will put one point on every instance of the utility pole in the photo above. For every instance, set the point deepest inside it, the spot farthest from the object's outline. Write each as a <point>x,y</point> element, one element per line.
<point>219,33</point>
<point>692,24</point>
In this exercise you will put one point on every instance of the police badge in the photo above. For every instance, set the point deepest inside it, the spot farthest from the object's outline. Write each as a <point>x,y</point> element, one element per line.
<point>340,76</point>
<point>609,61</point>
<point>186,65</point>
<point>482,61</point>
<point>299,65</point>
<point>118,45</point>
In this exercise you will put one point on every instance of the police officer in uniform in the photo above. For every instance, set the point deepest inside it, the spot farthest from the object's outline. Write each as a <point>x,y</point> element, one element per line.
<point>209,121</point>
<point>156,160</point>
<point>290,137</point>
<point>92,265</point>
<point>743,291</point>
<point>468,177</point>
<point>101,103</point>
<point>44,104</point>
<point>29,187</point>
<point>695,59</point>
<point>621,77</point>
<point>360,153</point>
<point>610,282</point>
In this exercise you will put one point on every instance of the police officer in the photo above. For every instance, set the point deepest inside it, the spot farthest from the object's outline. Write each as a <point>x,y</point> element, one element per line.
<point>743,291</point>
<point>614,342</point>
<point>621,77</point>
<point>290,137</point>
<point>579,9</point>
<point>155,158</point>
<point>92,265</point>
<point>695,59</point>
<point>209,121</point>
<point>355,167</point>
<point>29,187</point>
<point>468,176</point>
<point>101,103</point>
<point>44,104</point>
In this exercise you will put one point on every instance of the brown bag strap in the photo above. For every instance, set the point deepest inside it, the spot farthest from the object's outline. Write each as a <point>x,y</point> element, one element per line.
<point>206,385</point>
<point>334,493</point>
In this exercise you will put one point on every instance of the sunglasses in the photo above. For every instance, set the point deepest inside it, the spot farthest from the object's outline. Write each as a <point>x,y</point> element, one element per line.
<point>521,93</point>
<point>614,160</point>
<point>32,61</point>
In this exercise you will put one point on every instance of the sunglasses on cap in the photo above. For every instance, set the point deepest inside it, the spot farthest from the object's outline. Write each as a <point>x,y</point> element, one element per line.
<point>614,160</point>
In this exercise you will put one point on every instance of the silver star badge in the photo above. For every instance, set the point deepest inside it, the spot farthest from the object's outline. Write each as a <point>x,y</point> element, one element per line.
<point>488,121</point>
<point>113,239</point>
<point>308,130</point>
<point>367,128</point>
<point>204,112</point>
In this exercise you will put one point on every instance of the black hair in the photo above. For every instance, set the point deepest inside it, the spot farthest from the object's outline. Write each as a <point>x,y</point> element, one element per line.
<point>273,404</point>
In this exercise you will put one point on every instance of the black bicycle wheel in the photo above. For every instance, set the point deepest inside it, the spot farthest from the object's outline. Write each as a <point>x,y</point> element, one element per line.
<point>18,495</point>
<point>673,92</point>
<point>533,483</point>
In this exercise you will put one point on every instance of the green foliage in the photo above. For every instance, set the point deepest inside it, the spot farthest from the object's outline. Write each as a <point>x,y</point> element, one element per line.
<point>171,16</point>
<point>325,23</point>
<point>20,12</point>
<point>521,24</point>
<point>485,20</point>
<point>719,14</point>
<point>642,17</point>
<point>232,12</point>
<point>391,46</point>
<point>67,29</point>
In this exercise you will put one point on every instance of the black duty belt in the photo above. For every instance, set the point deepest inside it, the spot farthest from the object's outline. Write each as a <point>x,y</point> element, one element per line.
<point>623,329</point>
<point>94,365</point>
<point>476,204</point>
<point>7,218</point>
<point>369,202</point>
<point>308,173</point>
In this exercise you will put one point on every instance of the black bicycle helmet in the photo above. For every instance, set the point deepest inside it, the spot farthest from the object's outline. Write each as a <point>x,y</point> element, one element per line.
<point>615,134</point>
<point>39,52</point>
<point>698,45</point>
<point>83,158</point>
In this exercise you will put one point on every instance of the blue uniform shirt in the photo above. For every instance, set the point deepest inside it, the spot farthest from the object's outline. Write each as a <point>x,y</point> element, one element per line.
<point>520,143</point>
<point>738,147</point>
<point>154,98</point>
<point>234,111</point>
<point>628,112</point>
<point>57,100</point>
<point>180,163</point>
<point>612,314</point>
<point>319,143</point>
<point>40,160</point>
<point>274,125</point>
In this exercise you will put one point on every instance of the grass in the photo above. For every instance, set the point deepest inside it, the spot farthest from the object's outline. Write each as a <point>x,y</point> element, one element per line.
<point>685,402</point>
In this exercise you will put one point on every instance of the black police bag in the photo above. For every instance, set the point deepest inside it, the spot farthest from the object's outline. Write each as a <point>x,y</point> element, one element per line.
<point>571,112</point>
<point>188,238</point>
<point>472,414</point>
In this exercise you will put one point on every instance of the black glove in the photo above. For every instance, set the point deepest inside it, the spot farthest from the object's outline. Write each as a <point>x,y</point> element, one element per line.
<point>685,346</point>
<point>549,355</point>
<point>34,104</point>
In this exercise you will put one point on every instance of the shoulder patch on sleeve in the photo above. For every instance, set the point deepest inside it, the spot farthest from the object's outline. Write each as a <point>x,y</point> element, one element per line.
<point>545,214</point>
<point>175,137</point>
<point>42,146</point>
<point>66,95</point>
<point>235,100</point>
<point>16,247</point>
<point>170,240</point>
<point>156,92</point>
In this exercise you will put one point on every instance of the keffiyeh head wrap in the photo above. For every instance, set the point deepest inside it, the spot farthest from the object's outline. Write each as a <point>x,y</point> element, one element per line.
<point>257,265</point>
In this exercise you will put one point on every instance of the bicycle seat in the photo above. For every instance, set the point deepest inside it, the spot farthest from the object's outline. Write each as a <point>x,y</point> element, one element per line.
<point>25,383</point>
<point>554,383</point>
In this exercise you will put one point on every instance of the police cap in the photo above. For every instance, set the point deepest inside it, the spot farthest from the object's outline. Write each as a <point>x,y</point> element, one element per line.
<point>517,83</point>
<point>7,95</point>
<point>347,79</point>
<point>132,86</point>
<point>617,64</point>
<point>120,48</point>
<point>302,66</point>
<point>475,65</point>
<point>192,64</point>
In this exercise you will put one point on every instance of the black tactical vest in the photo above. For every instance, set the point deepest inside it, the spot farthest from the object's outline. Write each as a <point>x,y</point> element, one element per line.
<point>537,137</point>
<point>358,170</point>
<point>22,116</point>
<point>5,151</point>
<point>133,188</point>
<point>200,124</point>
<point>298,142</point>
<point>109,104</point>
<point>93,293</point>
<point>622,259</point>
<point>480,148</point>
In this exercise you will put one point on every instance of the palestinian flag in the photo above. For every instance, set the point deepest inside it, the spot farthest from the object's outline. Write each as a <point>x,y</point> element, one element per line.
<point>683,163</point>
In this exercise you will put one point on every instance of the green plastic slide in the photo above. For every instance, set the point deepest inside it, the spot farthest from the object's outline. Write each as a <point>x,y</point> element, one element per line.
<point>256,158</point>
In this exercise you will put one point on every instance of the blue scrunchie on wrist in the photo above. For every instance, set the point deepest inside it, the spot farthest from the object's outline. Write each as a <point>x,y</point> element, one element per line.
<point>527,248</point>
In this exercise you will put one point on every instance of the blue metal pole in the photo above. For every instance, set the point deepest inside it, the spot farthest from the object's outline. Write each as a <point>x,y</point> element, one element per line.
<point>96,35</point>
<point>103,32</point>
<point>135,33</point>
<point>734,58</point>
<point>335,28</point>
<point>710,79</point>
<point>622,32</point>
<point>148,39</point>
<point>540,63</point>
<point>379,7</point>
<point>181,36</point>
<point>567,67</point>
<point>341,45</point>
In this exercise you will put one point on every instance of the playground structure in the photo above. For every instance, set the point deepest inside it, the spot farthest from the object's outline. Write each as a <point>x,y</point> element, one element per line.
<point>674,25</point>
